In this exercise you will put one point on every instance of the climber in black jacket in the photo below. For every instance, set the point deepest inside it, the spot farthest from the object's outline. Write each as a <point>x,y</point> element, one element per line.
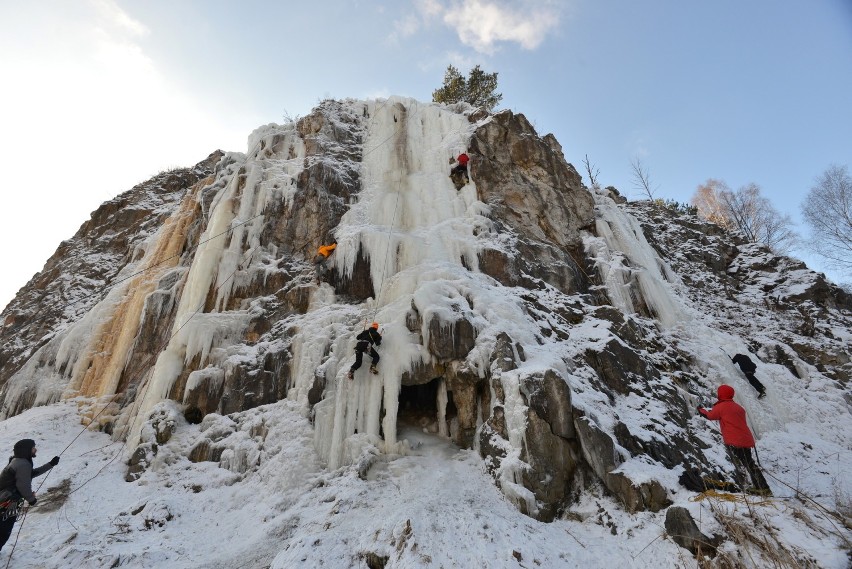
<point>16,485</point>
<point>366,340</point>
<point>748,368</point>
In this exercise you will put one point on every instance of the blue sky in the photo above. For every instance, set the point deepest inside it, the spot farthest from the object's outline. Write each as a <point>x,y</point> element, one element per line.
<point>101,94</point>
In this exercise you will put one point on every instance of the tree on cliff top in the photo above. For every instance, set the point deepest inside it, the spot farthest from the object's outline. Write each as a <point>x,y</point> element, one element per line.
<point>828,211</point>
<point>479,89</point>
<point>747,211</point>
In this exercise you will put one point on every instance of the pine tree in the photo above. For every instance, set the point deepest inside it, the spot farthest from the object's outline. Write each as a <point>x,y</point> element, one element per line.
<point>479,89</point>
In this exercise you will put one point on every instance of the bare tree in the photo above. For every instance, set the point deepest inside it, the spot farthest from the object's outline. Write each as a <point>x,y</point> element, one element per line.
<point>747,211</point>
<point>827,210</point>
<point>592,172</point>
<point>710,207</point>
<point>642,178</point>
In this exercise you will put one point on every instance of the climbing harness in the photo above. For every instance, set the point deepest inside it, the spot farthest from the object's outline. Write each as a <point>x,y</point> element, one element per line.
<point>11,508</point>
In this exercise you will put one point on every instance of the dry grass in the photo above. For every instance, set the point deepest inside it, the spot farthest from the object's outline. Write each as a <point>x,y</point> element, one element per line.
<point>758,542</point>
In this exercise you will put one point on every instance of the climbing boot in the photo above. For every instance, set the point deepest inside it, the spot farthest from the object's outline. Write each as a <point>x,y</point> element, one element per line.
<point>373,369</point>
<point>761,395</point>
<point>351,375</point>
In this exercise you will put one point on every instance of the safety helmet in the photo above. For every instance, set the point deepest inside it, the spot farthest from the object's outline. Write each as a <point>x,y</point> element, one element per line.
<point>374,325</point>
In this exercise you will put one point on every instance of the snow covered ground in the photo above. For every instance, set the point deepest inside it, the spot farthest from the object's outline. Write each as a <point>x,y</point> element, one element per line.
<point>434,508</point>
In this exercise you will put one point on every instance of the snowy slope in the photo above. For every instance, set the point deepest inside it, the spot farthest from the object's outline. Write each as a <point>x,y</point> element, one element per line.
<point>291,512</point>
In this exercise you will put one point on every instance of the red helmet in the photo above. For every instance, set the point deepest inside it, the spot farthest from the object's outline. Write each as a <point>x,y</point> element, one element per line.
<point>374,325</point>
<point>725,392</point>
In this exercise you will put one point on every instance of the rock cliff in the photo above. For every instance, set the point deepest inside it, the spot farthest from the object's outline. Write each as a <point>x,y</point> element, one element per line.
<point>563,336</point>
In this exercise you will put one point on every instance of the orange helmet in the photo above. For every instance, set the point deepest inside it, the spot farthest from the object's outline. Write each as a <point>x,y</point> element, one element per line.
<point>374,325</point>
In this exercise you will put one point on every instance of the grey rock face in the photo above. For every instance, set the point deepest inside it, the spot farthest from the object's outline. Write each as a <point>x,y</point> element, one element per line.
<point>451,341</point>
<point>552,450</point>
<point>534,193</point>
<point>682,529</point>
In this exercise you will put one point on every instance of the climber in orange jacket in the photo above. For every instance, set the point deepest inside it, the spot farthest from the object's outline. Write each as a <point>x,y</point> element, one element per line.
<point>323,254</point>
<point>737,438</point>
<point>326,250</point>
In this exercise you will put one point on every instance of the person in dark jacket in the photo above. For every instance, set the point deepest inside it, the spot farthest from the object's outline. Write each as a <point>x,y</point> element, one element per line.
<point>16,484</point>
<point>737,438</point>
<point>748,368</point>
<point>459,171</point>
<point>366,340</point>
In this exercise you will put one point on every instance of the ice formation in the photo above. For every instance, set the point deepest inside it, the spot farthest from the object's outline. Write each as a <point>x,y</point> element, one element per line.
<point>631,269</point>
<point>414,227</point>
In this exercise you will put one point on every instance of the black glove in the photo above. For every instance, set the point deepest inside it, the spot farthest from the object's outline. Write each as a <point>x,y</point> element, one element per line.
<point>33,503</point>
<point>54,461</point>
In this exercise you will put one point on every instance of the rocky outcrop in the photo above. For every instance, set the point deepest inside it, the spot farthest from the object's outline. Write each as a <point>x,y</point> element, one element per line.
<point>552,447</point>
<point>74,278</point>
<point>682,529</point>
<point>535,194</point>
<point>794,301</point>
<point>330,177</point>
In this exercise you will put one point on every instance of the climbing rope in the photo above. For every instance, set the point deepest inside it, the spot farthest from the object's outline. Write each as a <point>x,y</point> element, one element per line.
<point>387,255</point>
<point>393,219</point>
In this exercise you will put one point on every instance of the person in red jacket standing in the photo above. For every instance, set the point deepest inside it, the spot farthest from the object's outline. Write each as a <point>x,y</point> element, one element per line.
<point>738,439</point>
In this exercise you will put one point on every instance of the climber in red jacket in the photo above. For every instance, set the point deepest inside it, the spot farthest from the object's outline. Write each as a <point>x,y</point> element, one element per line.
<point>738,439</point>
<point>459,171</point>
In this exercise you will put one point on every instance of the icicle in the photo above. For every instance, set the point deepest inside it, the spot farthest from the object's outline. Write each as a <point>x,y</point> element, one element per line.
<point>442,408</point>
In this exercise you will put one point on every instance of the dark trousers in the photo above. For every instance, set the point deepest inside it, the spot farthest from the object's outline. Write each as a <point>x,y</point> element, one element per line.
<point>746,468</point>
<point>6,530</point>
<point>754,382</point>
<point>459,170</point>
<point>359,356</point>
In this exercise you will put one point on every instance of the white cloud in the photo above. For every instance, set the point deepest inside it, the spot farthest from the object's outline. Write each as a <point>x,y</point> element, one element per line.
<point>481,24</point>
<point>425,12</point>
<point>429,8</point>
<point>406,27</point>
<point>115,17</point>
